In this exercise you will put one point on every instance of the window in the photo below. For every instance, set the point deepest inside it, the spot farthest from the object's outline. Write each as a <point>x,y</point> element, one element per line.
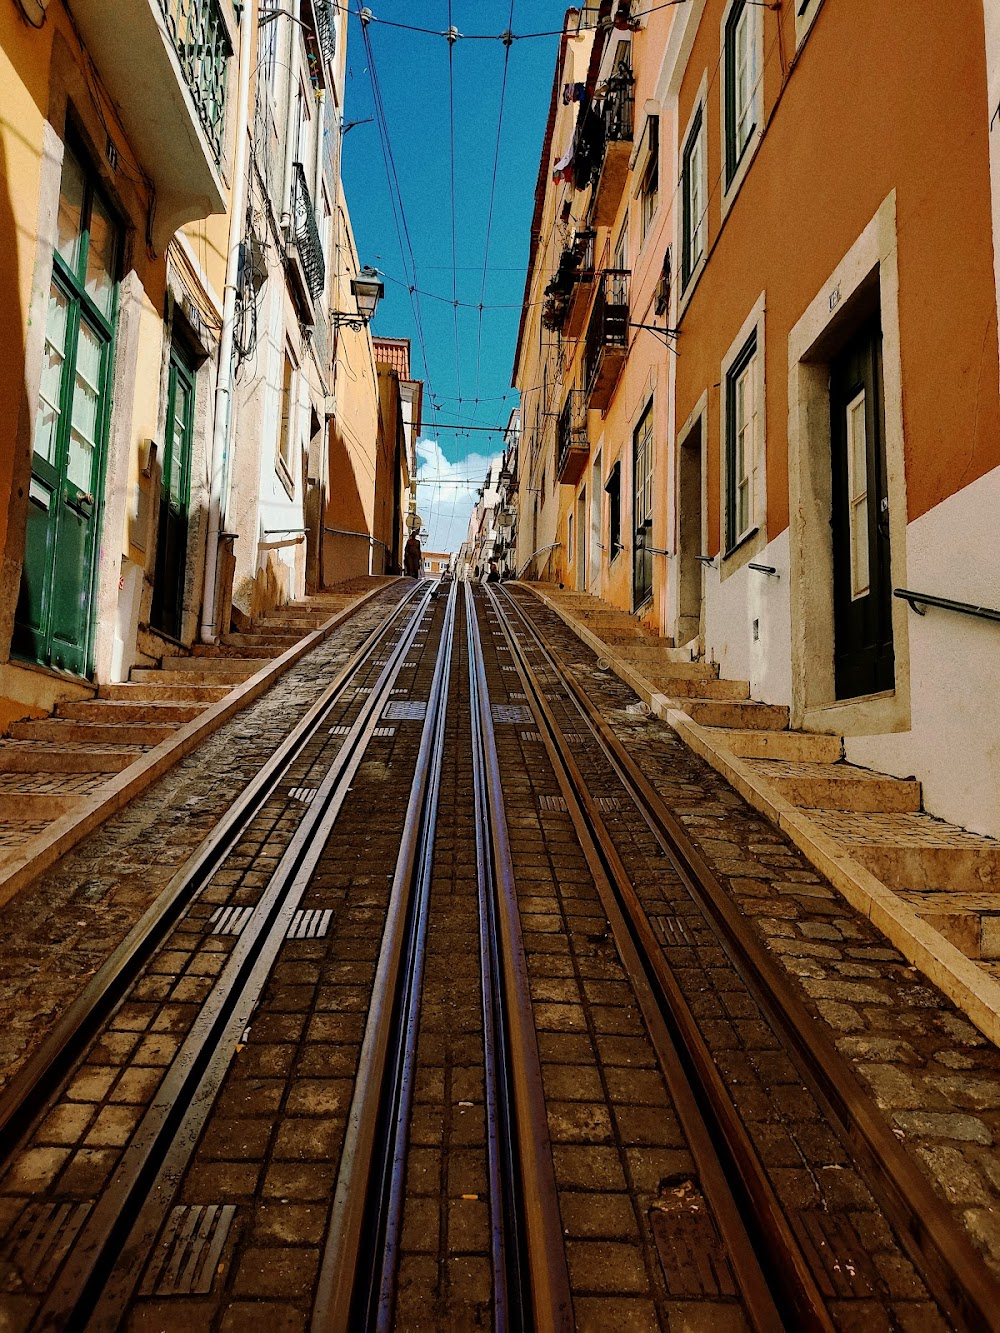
<point>613,490</point>
<point>642,507</point>
<point>693,199</point>
<point>740,88</point>
<point>569,539</point>
<point>621,248</point>
<point>286,441</point>
<point>649,190</point>
<point>858,518</point>
<point>742,432</point>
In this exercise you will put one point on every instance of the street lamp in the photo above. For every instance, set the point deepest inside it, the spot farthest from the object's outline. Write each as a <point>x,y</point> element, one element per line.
<point>367,289</point>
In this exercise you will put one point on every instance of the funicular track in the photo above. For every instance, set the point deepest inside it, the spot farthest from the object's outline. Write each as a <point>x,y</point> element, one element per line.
<point>102,1257</point>
<point>784,1280</point>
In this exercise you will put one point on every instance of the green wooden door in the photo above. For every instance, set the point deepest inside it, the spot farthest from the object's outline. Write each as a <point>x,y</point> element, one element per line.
<point>175,493</point>
<point>55,612</point>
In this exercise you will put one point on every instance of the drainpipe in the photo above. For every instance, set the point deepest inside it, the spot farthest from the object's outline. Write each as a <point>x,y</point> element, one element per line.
<point>222,428</point>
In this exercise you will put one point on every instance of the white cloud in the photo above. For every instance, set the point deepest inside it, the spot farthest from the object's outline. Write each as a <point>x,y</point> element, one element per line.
<point>446,503</point>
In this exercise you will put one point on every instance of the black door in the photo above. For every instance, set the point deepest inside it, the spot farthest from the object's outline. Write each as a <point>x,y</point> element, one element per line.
<point>862,593</point>
<point>167,609</point>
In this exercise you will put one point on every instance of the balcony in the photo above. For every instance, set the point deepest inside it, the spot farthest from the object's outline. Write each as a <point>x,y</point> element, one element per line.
<point>305,251</point>
<point>618,113</point>
<point>607,337</point>
<point>326,28</point>
<point>559,290</point>
<point>579,300</point>
<point>572,440</point>
<point>166,65</point>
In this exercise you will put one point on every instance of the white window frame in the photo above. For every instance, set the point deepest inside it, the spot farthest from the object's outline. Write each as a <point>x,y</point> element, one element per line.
<point>285,466</point>
<point>688,282</point>
<point>857,495</point>
<point>805,17</point>
<point>753,16</point>
<point>752,535</point>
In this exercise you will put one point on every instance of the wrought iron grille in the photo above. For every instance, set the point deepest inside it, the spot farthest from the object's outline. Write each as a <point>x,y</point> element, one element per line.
<point>571,432</point>
<point>326,28</point>
<point>306,233</point>
<point>200,38</point>
<point>608,325</point>
<point>619,105</point>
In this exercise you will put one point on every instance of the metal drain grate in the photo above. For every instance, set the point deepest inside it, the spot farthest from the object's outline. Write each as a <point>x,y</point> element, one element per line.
<point>673,932</point>
<point>608,803</point>
<point>185,1261</point>
<point>552,803</point>
<point>303,794</point>
<point>836,1255</point>
<point>310,925</point>
<point>338,731</point>
<point>42,1238</point>
<point>383,733</point>
<point>230,920</point>
<point>511,713</point>
<point>693,1258</point>
<point>408,710</point>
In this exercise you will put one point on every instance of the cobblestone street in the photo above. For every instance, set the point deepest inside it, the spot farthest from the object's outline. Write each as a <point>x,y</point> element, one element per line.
<point>309,1109</point>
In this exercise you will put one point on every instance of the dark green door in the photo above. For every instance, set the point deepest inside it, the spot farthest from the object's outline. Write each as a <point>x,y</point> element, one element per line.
<point>862,591</point>
<point>175,494</point>
<point>55,611</point>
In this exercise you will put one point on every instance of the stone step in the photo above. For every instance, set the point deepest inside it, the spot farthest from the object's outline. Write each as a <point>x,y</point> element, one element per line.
<point>265,651</point>
<point>42,806</point>
<point>678,660</point>
<point>625,633</point>
<point>216,665</point>
<point>971,921</point>
<point>277,642</point>
<point>754,716</point>
<point>683,687</point>
<point>298,628</point>
<point>916,852</point>
<point>839,787</point>
<point>118,710</point>
<point>232,676</point>
<point>174,692</point>
<point>99,733</point>
<point>38,757</point>
<point>801,747</point>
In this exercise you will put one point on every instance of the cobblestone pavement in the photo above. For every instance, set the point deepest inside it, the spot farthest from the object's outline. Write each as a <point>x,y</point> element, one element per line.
<point>55,934</point>
<point>933,1075</point>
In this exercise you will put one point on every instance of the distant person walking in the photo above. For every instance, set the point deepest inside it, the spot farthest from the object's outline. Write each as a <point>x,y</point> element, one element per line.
<point>494,575</point>
<point>412,557</point>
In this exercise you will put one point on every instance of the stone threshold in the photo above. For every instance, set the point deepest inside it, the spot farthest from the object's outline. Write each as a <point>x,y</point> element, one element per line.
<point>41,851</point>
<point>971,987</point>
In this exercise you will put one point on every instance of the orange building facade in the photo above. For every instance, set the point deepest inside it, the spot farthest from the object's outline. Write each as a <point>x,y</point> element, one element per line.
<point>805,212</point>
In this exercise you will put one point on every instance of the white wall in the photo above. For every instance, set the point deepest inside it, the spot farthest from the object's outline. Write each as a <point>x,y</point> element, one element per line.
<point>954,746</point>
<point>732,606</point>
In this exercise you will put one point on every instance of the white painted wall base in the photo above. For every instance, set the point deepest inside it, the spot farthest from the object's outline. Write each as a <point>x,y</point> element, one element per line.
<point>954,744</point>
<point>732,606</point>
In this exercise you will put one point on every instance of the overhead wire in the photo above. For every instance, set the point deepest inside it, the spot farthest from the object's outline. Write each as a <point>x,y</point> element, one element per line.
<point>452,38</point>
<point>366,16</point>
<point>508,42</point>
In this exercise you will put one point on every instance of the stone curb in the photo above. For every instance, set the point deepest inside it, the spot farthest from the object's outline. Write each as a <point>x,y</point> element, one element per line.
<point>63,834</point>
<point>965,984</point>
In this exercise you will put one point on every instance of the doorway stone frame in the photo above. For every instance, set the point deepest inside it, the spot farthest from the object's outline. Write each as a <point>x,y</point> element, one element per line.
<point>868,270</point>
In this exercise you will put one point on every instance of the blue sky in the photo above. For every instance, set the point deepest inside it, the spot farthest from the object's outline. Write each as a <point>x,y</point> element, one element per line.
<point>413,75</point>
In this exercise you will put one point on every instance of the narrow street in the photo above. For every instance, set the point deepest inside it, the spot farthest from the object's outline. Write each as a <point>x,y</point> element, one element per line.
<point>479,1001</point>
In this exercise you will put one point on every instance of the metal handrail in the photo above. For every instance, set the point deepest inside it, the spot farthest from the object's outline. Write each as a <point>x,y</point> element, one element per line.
<point>346,532</point>
<point>946,603</point>
<point>554,546</point>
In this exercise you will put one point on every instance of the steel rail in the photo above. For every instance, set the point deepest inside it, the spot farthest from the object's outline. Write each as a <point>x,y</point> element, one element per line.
<point>33,1084</point>
<point>776,1285</point>
<point>99,1276</point>
<point>508,1239</point>
<point>954,1271</point>
<point>351,1290</point>
<point>547,1266</point>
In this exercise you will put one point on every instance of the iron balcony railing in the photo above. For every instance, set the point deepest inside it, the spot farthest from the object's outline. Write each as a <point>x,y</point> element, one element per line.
<point>608,325</point>
<point>200,38</point>
<point>306,233</point>
<point>586,17</point>
<point>571,431</point>
<point>326,28</point>
<point>619,106</point>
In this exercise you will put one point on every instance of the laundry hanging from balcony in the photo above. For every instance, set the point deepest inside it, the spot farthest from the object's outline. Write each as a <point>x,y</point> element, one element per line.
<point>580,162</point>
